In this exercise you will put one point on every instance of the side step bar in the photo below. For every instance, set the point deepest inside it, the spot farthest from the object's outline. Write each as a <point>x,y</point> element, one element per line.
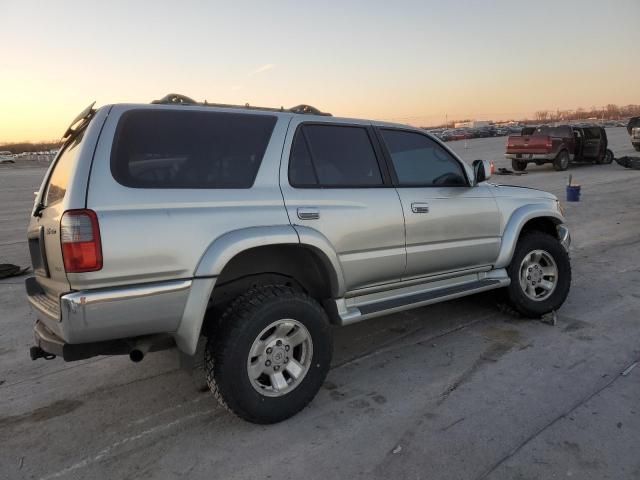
<point>397,303</point>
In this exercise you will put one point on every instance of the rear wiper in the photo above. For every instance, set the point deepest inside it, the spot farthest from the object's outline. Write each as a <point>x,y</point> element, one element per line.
<point>37,211</point>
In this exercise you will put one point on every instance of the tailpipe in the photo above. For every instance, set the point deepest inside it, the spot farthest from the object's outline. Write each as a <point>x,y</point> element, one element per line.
<point>151,343</point>
<point>140,349</point>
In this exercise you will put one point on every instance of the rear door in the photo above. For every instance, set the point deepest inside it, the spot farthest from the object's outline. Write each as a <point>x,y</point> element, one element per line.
<point>450,225</point>
<point>333,183</point>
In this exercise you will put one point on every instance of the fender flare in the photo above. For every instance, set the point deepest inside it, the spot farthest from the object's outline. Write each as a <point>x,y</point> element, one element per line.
<point>226,247</point>
<point>514,225</point>
<point>312,238</point>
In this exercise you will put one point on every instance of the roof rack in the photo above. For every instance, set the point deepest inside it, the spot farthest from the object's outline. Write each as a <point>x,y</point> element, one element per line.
<point>177,99</point>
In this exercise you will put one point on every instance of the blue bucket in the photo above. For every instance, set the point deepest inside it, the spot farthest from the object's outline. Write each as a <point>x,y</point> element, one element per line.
<point>573,193</point>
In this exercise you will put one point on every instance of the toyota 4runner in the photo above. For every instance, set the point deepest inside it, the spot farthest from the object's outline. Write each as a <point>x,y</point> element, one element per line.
<point>251,230</point>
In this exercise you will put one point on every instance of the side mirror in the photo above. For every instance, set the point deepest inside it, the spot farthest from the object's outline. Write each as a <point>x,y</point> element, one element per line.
<point>482,170</point>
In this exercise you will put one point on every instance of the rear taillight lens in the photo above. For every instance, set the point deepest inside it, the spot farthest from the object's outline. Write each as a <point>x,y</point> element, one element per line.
<point>80,239</point>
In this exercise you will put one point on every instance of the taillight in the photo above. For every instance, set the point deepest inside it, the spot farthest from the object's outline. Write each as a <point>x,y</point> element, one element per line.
<point>80,239</point>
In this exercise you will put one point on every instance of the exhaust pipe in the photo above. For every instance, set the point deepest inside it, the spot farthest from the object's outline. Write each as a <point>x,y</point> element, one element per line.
<point>151,343</point>
<point>140,349</point>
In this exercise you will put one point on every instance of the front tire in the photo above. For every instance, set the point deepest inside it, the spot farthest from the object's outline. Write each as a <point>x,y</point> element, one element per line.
<point>270,354</point>
<point>561,162</point>
<point>540,273</point>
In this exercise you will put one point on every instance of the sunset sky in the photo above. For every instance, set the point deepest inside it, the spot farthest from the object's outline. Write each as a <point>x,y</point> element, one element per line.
<point>405,61</point>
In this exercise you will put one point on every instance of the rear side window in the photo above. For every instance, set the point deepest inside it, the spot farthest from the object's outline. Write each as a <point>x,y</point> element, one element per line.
<point>592,133</point>
<point>564,132</point>
<point>59,180</point>
<point>333,156</point>
<point>419,161</point>
<point>187,149</point>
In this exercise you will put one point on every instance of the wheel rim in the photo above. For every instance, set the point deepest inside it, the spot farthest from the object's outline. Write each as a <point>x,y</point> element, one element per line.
<point>538,275</point>
<point>564,160</point>
<point>280,357</point>
<point>608,156</point>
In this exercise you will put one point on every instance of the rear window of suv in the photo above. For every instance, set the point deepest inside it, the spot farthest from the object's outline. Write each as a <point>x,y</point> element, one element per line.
<point>189,149</point>
<point>59,179</point>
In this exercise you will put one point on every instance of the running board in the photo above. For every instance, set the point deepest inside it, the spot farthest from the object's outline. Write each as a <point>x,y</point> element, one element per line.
<point>396,303</point>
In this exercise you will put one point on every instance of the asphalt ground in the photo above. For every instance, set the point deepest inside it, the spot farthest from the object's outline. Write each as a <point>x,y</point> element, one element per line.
<point>459,390</point>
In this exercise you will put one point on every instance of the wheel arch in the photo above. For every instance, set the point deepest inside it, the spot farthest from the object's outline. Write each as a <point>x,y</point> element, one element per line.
<point>257,255</point>
<point>524,219</point>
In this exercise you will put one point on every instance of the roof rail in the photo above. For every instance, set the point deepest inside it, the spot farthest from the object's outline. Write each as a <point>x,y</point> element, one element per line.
<point>177,99</point>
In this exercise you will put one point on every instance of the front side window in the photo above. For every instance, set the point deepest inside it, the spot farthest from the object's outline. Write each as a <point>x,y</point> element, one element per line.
<point>420,161</point>
<point>189,149</point>
<point>333,156</point>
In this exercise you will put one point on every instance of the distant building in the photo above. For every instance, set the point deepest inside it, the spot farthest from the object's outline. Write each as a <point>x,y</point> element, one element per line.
<point>472,124</point>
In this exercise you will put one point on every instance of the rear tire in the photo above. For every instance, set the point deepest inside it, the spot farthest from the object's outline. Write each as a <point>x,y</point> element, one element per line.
<point>254,364</point>
<point>561,162</point>
<point>606,159</point>
<point>518,165</point>
<point>540,273</point>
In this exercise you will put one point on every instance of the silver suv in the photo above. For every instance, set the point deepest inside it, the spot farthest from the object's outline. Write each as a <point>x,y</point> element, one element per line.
<point>251,230</point>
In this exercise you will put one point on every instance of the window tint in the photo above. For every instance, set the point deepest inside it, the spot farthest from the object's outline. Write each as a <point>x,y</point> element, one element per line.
<point>564,132</point>
<point>59,180</point>
<point>301,171</point>
<point>418,160</point>
<point>591,133</point>
<point>333,156</point>
<point>187,149</point>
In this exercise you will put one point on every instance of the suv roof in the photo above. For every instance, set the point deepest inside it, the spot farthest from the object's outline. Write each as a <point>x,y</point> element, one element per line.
<point>177,100</point>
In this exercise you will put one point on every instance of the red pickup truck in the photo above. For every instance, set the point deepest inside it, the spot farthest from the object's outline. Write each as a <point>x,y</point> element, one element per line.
<point>558,145</point>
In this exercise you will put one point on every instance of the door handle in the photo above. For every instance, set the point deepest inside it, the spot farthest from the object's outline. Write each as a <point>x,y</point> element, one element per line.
<point>420,207</point>
<point>308,213</point>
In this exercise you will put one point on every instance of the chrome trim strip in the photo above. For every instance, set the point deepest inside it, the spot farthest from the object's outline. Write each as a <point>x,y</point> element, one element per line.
<point>91,297</point>
<point>122,312</point>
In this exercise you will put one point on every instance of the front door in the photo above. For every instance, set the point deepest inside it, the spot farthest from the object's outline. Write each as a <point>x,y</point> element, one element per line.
<point>332,183</point>
<point>450,225</point>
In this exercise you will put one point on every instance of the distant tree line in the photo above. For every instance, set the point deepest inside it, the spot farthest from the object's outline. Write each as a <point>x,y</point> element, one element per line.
<point>29,147</point>
<point>608,112</point>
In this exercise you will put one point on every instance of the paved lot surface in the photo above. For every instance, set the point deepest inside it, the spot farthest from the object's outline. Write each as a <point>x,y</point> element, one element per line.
<point>457,390</point>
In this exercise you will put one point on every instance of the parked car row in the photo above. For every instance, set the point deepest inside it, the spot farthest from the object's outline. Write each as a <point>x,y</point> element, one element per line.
<point>447,135</point>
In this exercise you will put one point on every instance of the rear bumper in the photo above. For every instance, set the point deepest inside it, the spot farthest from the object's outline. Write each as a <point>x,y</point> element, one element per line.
<point>50,344</point>
<point>47,343</point>
<point>106,317</point>
<point>530,157</point>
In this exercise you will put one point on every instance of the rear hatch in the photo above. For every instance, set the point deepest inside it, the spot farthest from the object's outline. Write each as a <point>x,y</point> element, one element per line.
<point>43,233</point>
